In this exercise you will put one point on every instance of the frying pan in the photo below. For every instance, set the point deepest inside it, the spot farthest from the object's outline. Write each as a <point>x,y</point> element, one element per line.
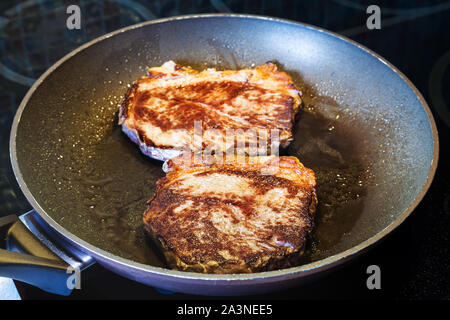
<point>365,129</point>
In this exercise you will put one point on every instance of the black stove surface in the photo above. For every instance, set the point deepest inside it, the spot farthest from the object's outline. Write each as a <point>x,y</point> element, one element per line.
<point>414,36</point>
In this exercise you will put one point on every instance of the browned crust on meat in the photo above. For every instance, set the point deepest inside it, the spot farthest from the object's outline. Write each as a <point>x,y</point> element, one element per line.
<point>129,95</point>
<point>260,98</point>
<point>193,239</point>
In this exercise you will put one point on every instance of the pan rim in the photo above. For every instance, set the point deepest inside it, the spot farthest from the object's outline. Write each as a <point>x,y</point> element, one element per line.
<point>312,267</point>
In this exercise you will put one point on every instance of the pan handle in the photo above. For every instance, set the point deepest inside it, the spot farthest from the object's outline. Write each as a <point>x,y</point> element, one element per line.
<point>31,257</point>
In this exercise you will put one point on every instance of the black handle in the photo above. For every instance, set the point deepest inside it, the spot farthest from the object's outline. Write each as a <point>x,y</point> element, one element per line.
<point>31,261</point>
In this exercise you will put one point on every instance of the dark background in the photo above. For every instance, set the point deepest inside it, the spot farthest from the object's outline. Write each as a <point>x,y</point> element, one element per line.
<point>414,36</point>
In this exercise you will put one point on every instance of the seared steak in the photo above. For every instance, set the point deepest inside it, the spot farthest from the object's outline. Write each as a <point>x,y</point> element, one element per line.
<point>248,214</point>
<point>160,111</point>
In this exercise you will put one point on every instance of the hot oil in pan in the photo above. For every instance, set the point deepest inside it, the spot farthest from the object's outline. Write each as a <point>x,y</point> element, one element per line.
<point>330,147</point>
<point>119,217</point>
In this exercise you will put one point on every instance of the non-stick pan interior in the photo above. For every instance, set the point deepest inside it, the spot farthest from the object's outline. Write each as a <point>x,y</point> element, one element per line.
<point>363,130</point>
